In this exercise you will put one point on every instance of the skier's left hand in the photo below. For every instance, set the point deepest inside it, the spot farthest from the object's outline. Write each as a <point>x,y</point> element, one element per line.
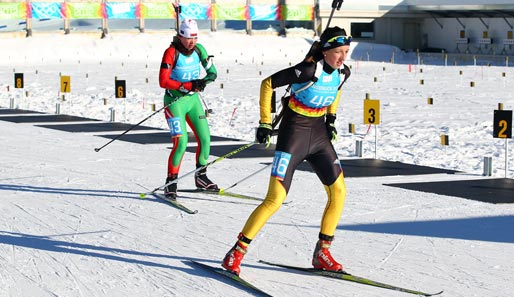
<point>331,128</point>
<point>263,134</point>
<point>198,85</point>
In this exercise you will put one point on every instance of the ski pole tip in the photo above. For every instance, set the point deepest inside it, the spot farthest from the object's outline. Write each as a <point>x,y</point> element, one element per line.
<point>222,190</point>
<point>142,195</point>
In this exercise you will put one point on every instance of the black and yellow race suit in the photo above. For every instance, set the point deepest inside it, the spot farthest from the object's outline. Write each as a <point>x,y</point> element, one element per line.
<point>302,136</point>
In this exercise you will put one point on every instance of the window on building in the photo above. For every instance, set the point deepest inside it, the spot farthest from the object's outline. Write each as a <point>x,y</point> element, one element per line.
<point>363,30</point>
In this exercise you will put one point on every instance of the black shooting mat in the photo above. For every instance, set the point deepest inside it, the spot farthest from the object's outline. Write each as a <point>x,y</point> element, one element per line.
<point>97,127</point>
<point>160,137</point>
<point>44,118</point>
<point>497,190</point>
<point>7,111</point>
<point>375,167</point>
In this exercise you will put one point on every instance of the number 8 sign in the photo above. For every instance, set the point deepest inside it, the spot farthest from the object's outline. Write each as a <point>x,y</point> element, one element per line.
<point>18,80</point>
<point>502,124</point>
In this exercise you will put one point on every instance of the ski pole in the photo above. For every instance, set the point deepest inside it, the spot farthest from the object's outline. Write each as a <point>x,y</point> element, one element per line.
<point>143,195</point>
<point>207,109</point>
<point>283,100</point>
<point>245,178</point>
<point>336,4</point>
<point>178,10</point>
<point>99,148</point>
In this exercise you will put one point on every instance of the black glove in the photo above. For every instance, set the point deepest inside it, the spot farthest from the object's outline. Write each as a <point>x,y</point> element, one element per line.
<point>198,85</point>
<point>331,128</point>
<point>263,134</point>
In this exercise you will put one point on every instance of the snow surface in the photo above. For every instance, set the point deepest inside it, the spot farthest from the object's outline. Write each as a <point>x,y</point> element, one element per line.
<point>72,223</point>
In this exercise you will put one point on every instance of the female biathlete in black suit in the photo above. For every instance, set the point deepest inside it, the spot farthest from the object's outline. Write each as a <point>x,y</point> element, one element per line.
<point>305,133</point>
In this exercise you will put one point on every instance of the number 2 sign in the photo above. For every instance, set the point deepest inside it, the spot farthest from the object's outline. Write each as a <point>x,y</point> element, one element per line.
<point>502,124</point>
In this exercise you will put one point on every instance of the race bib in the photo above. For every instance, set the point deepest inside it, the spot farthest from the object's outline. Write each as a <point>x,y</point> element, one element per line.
<point>175,128</point>
<point>280,164</point>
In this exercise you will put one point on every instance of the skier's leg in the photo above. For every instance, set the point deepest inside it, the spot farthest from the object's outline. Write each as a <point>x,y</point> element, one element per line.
<point>197,120</point>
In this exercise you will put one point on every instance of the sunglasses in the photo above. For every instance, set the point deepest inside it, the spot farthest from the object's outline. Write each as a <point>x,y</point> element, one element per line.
<point>341,39</point>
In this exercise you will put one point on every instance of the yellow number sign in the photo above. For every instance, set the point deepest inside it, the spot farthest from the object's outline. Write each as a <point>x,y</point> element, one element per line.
<point>65,84</point>
<point>502,124</point>
<point>371,112</point>
<point>120,87</point>
<point>18,80</point>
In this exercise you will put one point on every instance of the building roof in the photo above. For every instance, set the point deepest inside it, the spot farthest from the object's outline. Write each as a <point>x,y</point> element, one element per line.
<point>466,11</point>
<point>437,8</point>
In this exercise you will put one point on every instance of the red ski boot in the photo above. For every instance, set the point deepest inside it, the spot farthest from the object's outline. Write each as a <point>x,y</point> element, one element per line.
<point>322,259</point>
<point>233,258</point>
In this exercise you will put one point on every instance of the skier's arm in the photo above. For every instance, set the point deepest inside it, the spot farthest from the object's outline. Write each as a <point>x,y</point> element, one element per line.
<point>208,65</point>
<point>165,81</point>
<point>332,108</point>
<point>299,73</point>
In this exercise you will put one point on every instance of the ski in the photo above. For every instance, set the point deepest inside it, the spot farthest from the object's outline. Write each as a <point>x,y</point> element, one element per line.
<point>221,193</point>
<point>349,277</point>
<point>175,204</point>
<point>231,276</point>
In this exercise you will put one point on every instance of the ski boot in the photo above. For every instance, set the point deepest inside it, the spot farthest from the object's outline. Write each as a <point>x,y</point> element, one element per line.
<point>203,182</point>
<point>170,191</point>
<point>322,259</point>
<point>233,258</point>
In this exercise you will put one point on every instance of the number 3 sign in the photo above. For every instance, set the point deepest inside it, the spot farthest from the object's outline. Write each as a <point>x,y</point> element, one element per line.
<point>502,124</point>
<point>371,111</point>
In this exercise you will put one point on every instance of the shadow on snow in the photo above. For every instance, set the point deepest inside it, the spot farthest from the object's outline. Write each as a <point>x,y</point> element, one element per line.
<point>47,243</point>
<point>69,191</point>
<point>492,229</point>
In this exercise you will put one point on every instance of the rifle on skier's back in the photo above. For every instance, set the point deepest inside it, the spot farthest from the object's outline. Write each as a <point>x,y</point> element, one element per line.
<point>315,53</point>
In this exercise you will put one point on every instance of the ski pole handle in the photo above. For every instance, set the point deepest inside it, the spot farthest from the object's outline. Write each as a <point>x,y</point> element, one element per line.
<point>336,4</point>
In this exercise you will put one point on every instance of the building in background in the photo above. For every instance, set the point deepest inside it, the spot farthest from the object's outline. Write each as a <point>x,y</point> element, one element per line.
<point>459,26</point>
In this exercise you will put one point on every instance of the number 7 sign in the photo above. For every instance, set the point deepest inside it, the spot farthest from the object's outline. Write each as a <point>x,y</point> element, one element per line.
<point>502,124</point>
<point>65,84</point>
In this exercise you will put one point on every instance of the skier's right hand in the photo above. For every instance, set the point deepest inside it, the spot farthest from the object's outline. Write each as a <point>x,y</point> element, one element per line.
<point>331,128</point>
<point>198,85</point>
<point>263,134</point>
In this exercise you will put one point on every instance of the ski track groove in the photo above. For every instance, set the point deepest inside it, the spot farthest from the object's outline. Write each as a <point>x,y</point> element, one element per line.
<point>32,281</point>
<point>392,252</point>
<point>42,223</point>
<point>76,281</point>
<point>36,269</point>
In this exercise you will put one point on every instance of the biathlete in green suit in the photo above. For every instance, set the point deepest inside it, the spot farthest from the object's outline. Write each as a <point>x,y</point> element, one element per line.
<point>180,75</point>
